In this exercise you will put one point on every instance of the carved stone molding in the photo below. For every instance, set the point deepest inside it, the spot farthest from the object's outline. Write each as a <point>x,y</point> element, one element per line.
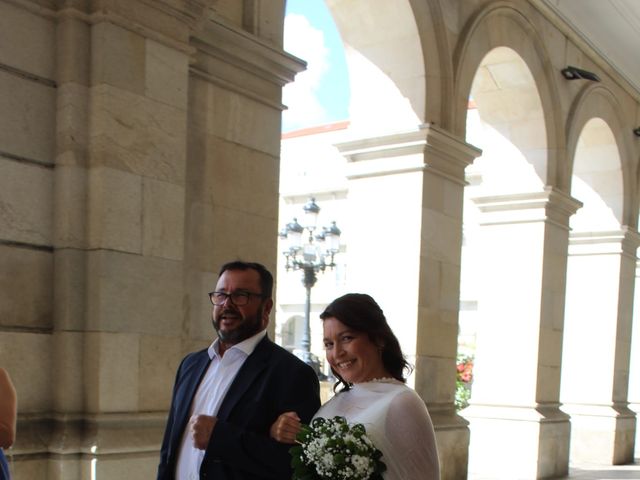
<point>550,205</point>
<point>427,147</point>
<point>230,57</point>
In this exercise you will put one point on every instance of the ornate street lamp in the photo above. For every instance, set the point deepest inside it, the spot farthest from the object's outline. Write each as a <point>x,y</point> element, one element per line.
<point>311,253</point>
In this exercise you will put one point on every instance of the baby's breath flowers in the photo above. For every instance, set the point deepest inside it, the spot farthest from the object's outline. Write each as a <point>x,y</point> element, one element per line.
<point>331,449</point>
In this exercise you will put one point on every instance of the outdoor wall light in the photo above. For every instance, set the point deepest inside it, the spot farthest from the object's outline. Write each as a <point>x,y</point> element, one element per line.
<point>636,131</point>
<point>575,73</point>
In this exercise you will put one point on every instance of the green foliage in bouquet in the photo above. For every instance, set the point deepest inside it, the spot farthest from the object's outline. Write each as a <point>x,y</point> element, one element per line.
<point>331,449</point>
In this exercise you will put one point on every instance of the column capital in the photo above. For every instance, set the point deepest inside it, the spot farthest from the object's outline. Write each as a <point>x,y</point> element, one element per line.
<point>169,23</point>
<point>550,205</point>
<point>426,147</point>
<point>624,241</point>
<point>241,62</point>
<point>447,155</point>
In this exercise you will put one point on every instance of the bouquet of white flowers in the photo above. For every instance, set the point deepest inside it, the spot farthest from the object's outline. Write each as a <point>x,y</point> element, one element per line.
<point>331,449</point>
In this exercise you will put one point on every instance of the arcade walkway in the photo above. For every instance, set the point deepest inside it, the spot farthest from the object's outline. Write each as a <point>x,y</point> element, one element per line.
<point>604,472</point>
<point>586,472</point>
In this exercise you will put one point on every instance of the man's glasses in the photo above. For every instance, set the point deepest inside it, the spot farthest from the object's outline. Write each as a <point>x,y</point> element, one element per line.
<point>239,299</point>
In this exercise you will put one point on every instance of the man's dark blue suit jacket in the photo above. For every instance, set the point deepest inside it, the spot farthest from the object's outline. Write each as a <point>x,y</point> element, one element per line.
<point>270,382</point>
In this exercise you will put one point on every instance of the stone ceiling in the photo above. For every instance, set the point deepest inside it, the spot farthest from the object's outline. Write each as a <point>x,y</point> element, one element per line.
<point>612,27</point>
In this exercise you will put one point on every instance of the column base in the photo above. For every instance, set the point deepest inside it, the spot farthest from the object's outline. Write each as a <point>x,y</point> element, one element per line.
<point>87,446</point>
<point>518,442</point>
<point>635,407</point>
<point>452,437</point>
<point>85,467</point>
<point>602,434</point>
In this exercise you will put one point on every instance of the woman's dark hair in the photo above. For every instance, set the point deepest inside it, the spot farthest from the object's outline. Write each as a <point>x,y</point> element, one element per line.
<point>361,313</point>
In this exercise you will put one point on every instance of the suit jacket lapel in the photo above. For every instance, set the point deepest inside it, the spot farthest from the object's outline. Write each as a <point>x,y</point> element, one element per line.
<point>252,367</point>
<point>192,380</point>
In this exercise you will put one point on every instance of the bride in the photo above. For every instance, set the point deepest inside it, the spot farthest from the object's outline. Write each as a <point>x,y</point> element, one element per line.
<point>366,358</point>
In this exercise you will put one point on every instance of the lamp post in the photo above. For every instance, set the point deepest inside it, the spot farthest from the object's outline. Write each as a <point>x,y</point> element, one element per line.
<point>312,253</point>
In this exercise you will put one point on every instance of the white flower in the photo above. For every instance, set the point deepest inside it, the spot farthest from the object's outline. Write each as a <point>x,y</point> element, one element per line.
<point>334,450</point>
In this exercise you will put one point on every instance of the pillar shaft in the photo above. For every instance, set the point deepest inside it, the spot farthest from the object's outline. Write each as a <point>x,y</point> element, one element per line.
<point>515,415</point>
<point>418,232</point>
<point>634,364</point>
<point>143,93</point>
<point>595,376</point>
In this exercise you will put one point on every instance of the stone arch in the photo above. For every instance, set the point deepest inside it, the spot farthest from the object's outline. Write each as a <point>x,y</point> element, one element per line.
<point>436,50</point>
<point>499,25</point>
<point>600,270</point>
<point>386,72</point>
<point>597,102</point>
<point>506,121</point>
<point>511,290</point>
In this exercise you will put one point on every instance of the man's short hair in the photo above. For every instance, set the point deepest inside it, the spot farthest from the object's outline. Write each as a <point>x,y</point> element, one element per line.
<point>266,279</point>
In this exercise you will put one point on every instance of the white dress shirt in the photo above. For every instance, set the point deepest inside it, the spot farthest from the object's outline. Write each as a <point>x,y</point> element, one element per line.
<point>208,398</point>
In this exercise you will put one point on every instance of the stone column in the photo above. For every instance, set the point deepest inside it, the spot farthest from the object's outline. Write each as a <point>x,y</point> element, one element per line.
<point>634,369</point>
<point>446,158</point>
<point>70,254</point>
<point>119,195</point>
<point>595,362</point>
<point>28,97</point>
<point>406,194</point>
<point>516,421</point>
<point>235,90</point>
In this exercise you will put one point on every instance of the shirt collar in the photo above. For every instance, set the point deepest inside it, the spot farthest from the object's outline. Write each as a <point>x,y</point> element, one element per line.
<point>246,346</point>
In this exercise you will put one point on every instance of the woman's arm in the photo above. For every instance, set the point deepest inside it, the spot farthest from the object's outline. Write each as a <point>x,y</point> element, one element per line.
<point>410,432</point>
<point>286,427</point>
<point>8,410</point>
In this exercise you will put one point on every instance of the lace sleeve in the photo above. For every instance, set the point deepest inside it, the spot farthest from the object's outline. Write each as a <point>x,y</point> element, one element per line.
<point>409,431</point>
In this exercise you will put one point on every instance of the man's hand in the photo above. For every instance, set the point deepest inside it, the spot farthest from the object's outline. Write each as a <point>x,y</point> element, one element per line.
<point>201,427</point>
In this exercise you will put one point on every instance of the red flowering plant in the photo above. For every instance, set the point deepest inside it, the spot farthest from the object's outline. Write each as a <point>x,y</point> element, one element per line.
<point>464,379</point>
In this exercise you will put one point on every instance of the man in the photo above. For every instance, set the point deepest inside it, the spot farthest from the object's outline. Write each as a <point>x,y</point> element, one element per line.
<point>226,397</point>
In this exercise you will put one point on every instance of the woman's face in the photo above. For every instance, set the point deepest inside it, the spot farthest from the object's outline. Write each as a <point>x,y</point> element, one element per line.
<point>351,353</point>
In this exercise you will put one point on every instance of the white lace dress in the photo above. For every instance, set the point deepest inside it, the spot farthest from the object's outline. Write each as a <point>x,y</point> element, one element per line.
<point>398,423</point>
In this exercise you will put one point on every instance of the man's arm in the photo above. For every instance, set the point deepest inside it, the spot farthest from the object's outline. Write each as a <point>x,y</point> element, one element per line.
<point>171,420</point>
<point>233,444</point>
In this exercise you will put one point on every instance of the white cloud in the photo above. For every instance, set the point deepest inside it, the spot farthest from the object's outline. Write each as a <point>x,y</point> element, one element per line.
<point>301,96</point>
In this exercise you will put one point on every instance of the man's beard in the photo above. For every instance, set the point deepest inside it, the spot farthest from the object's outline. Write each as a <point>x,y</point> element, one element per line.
<point>248,327</point>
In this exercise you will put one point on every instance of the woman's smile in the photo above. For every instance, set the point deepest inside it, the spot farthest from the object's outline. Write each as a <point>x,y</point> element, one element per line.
<point>352,354</point>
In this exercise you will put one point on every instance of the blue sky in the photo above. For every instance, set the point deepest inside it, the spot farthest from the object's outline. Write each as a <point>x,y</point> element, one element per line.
<point>319,95</point>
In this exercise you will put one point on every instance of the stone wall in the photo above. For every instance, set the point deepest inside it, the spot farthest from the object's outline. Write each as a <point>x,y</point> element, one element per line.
<point>139,150</point>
